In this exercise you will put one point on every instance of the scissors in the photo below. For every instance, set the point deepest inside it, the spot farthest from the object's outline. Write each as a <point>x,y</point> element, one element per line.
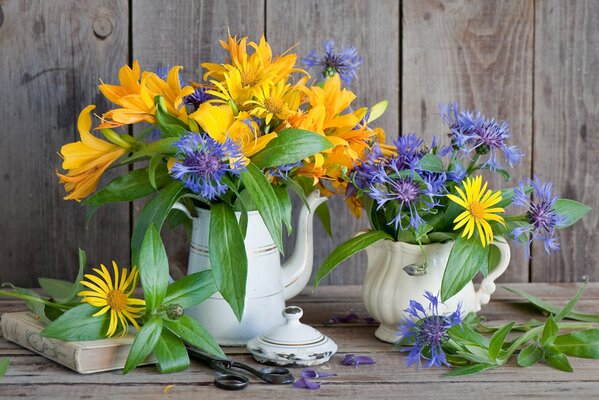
<point>233,380</point>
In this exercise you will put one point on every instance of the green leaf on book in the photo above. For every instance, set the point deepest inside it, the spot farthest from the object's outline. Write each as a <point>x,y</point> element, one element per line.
<point>79,324</point>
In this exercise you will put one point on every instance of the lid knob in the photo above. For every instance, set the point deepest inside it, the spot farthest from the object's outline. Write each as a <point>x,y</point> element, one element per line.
<point>292,313</point>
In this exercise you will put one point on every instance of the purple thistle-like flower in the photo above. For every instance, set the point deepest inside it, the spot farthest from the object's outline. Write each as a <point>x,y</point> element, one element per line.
<point>422,332</point>
<point>542,219</point>
<point>202,162</point>
<point>345,63</point>
<point>197,98</point>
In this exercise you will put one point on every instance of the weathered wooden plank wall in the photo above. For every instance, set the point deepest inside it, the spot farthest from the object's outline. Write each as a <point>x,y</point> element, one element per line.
<point>532,63</point>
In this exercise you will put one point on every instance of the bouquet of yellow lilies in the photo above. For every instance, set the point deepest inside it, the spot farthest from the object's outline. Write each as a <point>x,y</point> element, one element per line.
<point>420,194</point>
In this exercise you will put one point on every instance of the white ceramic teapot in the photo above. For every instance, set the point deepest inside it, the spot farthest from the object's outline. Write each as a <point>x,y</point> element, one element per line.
<point>269,283</point>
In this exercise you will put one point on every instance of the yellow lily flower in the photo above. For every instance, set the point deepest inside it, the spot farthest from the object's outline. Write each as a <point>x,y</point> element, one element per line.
<point>86,160</point>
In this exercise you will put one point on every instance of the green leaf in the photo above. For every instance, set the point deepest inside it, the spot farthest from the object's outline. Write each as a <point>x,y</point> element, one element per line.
<point>79,324</point>
<point>132,186</point>
<point>570,305</point>
<point>583,344</point>
<point>550,331</point>
<point>170,126</point>
<point>505,174</point>
<point>432,163</point>
<point>553,309</point>
<point>285,203</point>
<point>467,257</point>
<point>571,209</point>
<point>498,339</point>
<point>164,146</point>
<point>144,343</point>
<point>530,355</point>
<point>154,163</point>
<point>297,188</point>
<point>154,212</point>
<point>153,269</point>
<point>4,366</point>
<point>38,309</point>
<point>191,289</point>
<point>346,250</point>
<point>493,257</point>
<point>324,215</point>
<point>466,335</point>
<point>64,292</point>
<point>171,353</point>
<point>441,237</point>
<point>228,258</point>
<point>377,110</point>
<point>289,147</point>
<point>470,369</point>
<point>193,333</point>
<point>559,361</point>
<point>266,201</point>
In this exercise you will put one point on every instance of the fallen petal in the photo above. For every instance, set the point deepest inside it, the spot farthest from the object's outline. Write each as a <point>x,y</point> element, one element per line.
<point>304,383</point>
<point>348,359</point>
<point>310,373</point>
<point>364,360</point>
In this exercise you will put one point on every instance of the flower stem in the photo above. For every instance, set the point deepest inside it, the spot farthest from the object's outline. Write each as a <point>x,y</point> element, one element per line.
<point>33,299</point>
<point>423,253</point>
<point>471,167</point>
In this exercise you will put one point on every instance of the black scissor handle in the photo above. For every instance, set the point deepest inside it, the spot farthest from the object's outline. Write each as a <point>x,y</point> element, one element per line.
<point>274,375</point>
<point>231,382</point>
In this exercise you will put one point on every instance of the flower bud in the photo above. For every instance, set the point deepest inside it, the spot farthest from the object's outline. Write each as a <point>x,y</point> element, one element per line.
<point>174,311</point>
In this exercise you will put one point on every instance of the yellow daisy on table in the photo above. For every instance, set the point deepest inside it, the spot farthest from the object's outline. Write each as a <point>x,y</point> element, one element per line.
<point>114,296</point>
<point>479,207</point>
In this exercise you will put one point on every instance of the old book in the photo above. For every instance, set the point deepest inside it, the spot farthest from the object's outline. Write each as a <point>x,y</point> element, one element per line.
<point>85,357</point>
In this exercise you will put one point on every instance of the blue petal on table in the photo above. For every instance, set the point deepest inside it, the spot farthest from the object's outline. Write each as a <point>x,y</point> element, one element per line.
<point>310,373</point>
<point>304,383</point>
<point>352,359</point>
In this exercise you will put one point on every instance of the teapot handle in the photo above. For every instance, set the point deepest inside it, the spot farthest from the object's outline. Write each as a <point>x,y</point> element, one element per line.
<point>487,286</point>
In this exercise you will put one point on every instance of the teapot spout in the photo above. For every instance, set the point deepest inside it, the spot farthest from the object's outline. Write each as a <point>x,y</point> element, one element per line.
<point>298,267</point>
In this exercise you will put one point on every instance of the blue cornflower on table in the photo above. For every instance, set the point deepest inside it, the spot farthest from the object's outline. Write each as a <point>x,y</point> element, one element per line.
<point>542,218</point>
<point>345,63</point>
<point>423,331</point>
<point>202,162</point>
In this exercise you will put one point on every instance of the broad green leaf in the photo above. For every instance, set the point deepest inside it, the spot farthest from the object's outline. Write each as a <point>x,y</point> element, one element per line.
<point>285,202</point>
<point>297,188</point>
<point>4,366</point>
<point>467,257</point>
<point>377,110</point>
<point>465,334</point>
<point>144,343</point>
<point>153,269</point>
<point>38,309</point>
<point>583,344</point>
<point>170,126</point>
<point>530,355</point>
<point>553,309</point>
<point>64,292</point>
<point>79,324</point>
<point>131,186</point>
<point>193,333</point>
<point>289,147</point>
<point>154,212</point>
<point>498,339</point>
<point>266,201</point>
<point>470,369</point>
<point>154,163</point>
<point>171,353</point>
<point>191,289</point>
<point>559,361</point>
<point>571,209</point>
<point>244,201</point>
<point>550,331</point>
<point>324,215</point>
<point>441,237</point>
<point>570,305</point>
<point>228,258</point>
<point>164,146</point>
<point>430,162</point>
<point>346,250</point>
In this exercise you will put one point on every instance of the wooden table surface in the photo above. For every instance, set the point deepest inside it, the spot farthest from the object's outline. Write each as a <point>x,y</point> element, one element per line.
<point>30,375</point>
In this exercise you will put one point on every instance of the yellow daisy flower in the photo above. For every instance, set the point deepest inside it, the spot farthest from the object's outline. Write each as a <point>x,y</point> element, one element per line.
<point>114,296</point>
<point>479,209</point>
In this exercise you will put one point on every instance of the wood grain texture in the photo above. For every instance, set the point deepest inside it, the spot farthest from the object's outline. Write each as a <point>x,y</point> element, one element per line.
<point>31,375</point>
<point>374,32</point>
<point>187,33</point>
<point>480,54</point>
<point>52,56</point>
<point>566,128</point>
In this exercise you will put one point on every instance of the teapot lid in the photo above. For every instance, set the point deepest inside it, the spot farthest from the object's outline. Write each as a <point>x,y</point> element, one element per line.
<point>292,343</point>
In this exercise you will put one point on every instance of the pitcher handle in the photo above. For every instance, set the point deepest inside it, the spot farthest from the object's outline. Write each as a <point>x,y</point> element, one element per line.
<point>179,206</point>
<point>487,286</point>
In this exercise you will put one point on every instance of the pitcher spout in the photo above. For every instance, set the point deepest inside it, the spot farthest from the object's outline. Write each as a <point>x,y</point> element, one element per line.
<point>298,267</point>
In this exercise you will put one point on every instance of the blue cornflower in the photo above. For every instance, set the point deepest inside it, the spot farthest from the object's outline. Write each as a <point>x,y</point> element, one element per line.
<point>282,171</point>
<point>202,162</point>
<point>469,131</point>
<point>541,217</point>
<point>369,167</point>
<point>163,71</point>
<point>422,332</point>
<point>457,173</point>
<point>409,151</point>
<point>410,194</point>
<point>345,63</point>
<point>197,98</point>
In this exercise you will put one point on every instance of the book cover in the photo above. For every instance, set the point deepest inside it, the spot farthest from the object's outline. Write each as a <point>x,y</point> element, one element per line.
<point>84,357</point>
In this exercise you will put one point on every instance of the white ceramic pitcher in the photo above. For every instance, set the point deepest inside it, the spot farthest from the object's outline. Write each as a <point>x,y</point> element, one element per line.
<point>269,283</point>
<point>388,289</point>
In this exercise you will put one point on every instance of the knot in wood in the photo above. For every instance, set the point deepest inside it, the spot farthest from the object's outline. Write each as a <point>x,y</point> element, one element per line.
<point>102,27</point>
